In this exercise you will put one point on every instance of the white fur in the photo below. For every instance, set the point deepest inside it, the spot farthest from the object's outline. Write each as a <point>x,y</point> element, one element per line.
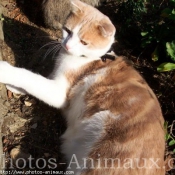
<point>16,90</point>
<point>132,100</point>
<point>72,40</point>
<point>67,62</point>
<point>50,91</point>
<point>80,139</point>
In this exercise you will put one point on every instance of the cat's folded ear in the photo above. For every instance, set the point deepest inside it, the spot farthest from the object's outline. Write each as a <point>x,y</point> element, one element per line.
<point>76,6</point>
<point>106,28</point>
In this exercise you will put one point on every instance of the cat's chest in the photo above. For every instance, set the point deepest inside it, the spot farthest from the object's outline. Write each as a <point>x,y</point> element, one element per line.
<point>67,62</point>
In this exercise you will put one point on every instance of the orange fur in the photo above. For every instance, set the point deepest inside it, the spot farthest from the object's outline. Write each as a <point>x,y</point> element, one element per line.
<point>138,133</point>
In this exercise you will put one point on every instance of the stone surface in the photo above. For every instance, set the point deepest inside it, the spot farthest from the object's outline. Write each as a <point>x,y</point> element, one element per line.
<point>12,123</point>
<point>3,97</point>
<point>19,157</point>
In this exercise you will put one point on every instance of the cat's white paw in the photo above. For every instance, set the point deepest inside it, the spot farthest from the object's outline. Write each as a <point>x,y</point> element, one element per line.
<point>5,71</point>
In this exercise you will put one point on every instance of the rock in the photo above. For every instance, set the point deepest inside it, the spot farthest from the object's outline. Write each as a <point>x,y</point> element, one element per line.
<point>9,94</point>
<point>1,29</point>
<point>3,96</point>
<point>28,103</point>
<point>46,154</point>
<point>34,126</point>
<point>12,123</point>
<point>6,103</point>
<point>3,111</point>
<point>17,96</point>
<point>19,157</point>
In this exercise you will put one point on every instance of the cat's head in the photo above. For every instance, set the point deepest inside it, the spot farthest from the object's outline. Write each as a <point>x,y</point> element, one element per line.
<point>87,32</point>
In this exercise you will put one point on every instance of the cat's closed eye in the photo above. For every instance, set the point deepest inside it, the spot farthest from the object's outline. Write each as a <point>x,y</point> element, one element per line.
<point>83,42</point>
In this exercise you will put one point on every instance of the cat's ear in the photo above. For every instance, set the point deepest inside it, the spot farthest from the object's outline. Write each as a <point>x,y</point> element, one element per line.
<point>76,6</point>
<point>106,28</point>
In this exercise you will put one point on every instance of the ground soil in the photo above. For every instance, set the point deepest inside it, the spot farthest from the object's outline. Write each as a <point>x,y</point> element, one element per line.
<point>30,126</point>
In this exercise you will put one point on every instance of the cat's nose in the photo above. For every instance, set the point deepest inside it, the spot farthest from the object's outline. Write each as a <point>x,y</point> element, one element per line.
<point>67,47</point>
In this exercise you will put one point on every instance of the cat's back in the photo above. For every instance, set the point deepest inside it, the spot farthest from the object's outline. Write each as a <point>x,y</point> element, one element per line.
<point>113,104</point>
<point>117,82</point>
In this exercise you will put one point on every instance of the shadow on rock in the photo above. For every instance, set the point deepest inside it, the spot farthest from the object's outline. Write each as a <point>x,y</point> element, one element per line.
<point>33,10</point>
<point>26,42</point>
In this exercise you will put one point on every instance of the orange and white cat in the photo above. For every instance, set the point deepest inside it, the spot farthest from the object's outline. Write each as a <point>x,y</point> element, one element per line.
<point>114,120</point>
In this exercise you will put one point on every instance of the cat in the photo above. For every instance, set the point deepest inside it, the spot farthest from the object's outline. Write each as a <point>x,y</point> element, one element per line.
<point>114,120</point>
<point>56,11</point>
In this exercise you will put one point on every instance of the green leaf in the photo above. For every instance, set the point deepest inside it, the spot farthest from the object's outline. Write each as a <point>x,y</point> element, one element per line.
<point>173,150</point>
<point>172,16</point>
<point>167,136</point>
<point>166,125</point>
<point>170,48</point>
<point>172,142</point>
<point>173,11</point>
<point>172,2</point>
<point>166,12</point>
<point>155,55</point>
<point>144,33</point>
<point>166,67</point>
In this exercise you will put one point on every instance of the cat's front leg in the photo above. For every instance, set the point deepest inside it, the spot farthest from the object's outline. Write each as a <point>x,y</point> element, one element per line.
<point>52,92</point>
<point>16,90</point>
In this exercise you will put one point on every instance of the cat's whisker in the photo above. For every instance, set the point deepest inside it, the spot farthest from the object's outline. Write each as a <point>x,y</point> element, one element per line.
<point>55,48</point>
<point>55,51</point>
<point>49,51</point>
<point>50,43</point>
